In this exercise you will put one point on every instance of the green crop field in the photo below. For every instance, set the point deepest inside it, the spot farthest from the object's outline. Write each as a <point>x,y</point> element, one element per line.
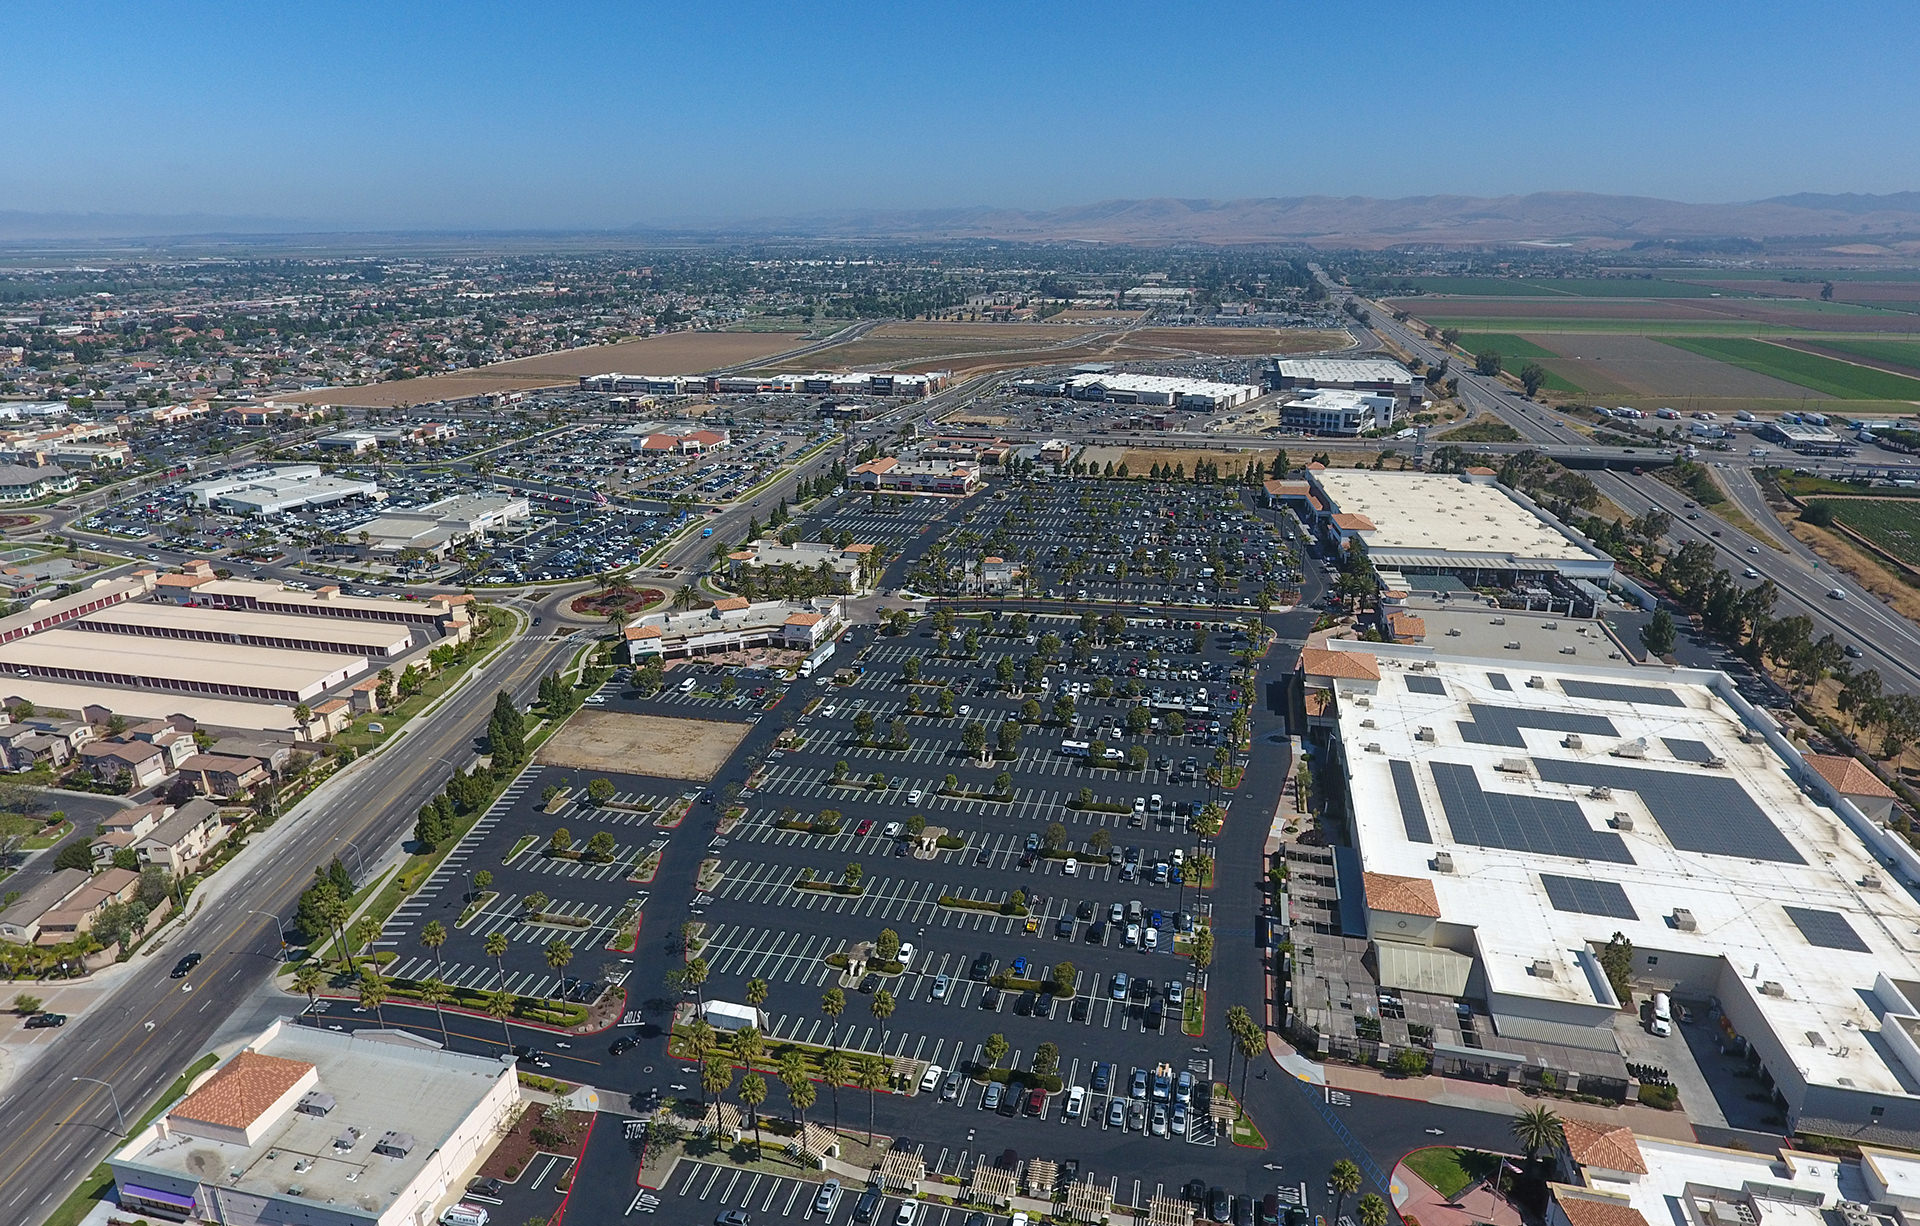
<point>1902,353</point>
<point>1838,379</point>
<point>1565,287</point>
<point>1517,323</point>
<point>1517,351</point>
<point>1893,524</point>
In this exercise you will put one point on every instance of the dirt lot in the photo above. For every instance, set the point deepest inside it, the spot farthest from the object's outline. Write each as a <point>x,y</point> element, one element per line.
<point>1601,360</point>
<point>933,345</point>
<point>1252,342</point>
<point>677,353</point>
<point>644,745</point>
<point>1140,460</point>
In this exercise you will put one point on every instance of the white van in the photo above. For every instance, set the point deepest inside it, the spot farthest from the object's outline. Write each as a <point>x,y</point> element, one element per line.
<point>1662,1023</point>
<point>464,1214</point>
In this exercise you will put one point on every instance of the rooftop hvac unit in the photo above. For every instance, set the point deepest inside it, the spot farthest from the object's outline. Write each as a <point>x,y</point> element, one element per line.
<point>1373,747</point>
<point>1870,881</point>
<point>1361,700</point>
<point>1717,763</point>
<point>394,1144</point>
<point>1684,921</point>
<point>1425,734</point>
<point>316,1102</point>
<point>1498,621</point>
<point>1367,723</point>
<point>1621,821</point>
<point>1636,748</point>
<point>1600,792</point>
<point>1773,987</point>
<point>1443,862</point>
<point>1573,741</point>
<point>1551,625</point>
<point>1568,651</point>
<point>1816,1039</point>
<point>1511,766</point>
<point>1453,632</point>
<point>1542,969</point>
<point>1514,645</point>
<point>1536,683</point>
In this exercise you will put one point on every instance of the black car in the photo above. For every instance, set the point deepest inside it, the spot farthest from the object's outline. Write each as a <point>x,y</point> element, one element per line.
<point>1085,910</point>
<point>1195,1193</point>
<point>184,965</point>
<point>534,1060</point>
<point>1064,929</point>
<point>1102,1077</point>
<point>1082,1005</point>
<point>485,1187</point>
<point>990,999</point>
<point>1242,1211</point>
<point>1268,1212</point>
<point>982,967</point>
<point>1219,1206</point>
<point>1156,1013</point>
<point>44,1021</point>
<point>867,1207</point>
<point>622,1046</point>
<point>520,1051</point>
<point>1097,932</point>
<point>870,984</point>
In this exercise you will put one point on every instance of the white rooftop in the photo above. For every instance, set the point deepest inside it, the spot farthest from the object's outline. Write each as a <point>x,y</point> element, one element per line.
<point>1816,1181</point>
<point>1509,777</point>
<point>1416,514</point>
<point>1171,384</point>
<point>1346,370</point>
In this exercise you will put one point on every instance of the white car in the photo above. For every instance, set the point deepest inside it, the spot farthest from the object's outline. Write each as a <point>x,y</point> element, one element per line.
<point>1133,935</point>
<point>906,954</point>
<point>1071,868</point>
<point>940,985</point>
<point>913,797</point>
<point>909,1213</point>
<point>1076,1102</point>
<point>1151,938</point>
<point>930,1080</point>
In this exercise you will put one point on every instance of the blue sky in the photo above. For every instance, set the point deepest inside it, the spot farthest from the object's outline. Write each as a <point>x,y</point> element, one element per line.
<point>592,115</point>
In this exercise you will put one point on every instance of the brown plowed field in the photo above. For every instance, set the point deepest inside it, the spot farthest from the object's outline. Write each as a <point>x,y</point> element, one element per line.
<point>625,743</point>
<point>1785,313</point>
<point>969,349</point>
<point>1648,368</point>
<point>677,353</point>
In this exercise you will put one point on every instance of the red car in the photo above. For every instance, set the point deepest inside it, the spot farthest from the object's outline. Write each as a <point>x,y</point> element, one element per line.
<point>865,827</point>
<point>1037,1102</point>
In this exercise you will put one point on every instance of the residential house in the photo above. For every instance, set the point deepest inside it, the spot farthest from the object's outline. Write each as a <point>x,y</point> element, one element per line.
<point>64,905</point>
<point>182,840</point>
<point>221,775</point>
<point>120,829</point>
<point>138,763</point>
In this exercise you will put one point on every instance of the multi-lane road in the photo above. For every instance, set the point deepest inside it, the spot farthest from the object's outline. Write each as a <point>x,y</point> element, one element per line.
<point>144,1029</point>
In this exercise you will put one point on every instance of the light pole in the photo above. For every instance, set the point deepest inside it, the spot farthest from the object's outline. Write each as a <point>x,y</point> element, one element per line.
<point>359,865</point>
<point>121,1116</point>
<point>277,924</point>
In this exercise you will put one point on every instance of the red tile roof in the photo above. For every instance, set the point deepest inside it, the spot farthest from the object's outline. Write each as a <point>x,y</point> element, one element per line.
<point>1351,665</point>
<point>1849,777</point>
<point>1610,1147</point>
<point>235,1096</point>
<point>1401,895</point>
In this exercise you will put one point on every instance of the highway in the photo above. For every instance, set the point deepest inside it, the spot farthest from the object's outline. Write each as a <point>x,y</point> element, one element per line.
<point>1888,642</point>
<point>147,1027</point>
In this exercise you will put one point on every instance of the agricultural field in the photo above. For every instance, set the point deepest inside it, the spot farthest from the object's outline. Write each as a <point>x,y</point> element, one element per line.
<point>1572,287</point>
<point>1900,357</point>
<point>1232,342</point>
<point>676,353</point>
<point>934,345</point>
<point>1829,376</point>
<point>1891,523</point>
<point>1517,351</point>
<point>1620,365</point>
<point>1656,316</point>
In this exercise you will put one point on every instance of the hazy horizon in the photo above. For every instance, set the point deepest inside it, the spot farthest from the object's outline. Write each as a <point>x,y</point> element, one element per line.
<point>603,116</point>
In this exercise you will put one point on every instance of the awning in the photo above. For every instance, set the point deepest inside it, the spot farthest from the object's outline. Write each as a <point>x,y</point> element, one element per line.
<point>157,1197</point>
<point>1422,968</point>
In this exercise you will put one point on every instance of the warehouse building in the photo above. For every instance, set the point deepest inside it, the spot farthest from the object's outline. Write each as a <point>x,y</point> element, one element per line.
<point>1166,391</point>
<point>383,640</point>
<point>1510,817</point>
<point>269,491</point>
<point>186,666</point>
<point>321,1127</point>
<point>444,616</point>
<point>1467,526</point>
<point>1377,375</point>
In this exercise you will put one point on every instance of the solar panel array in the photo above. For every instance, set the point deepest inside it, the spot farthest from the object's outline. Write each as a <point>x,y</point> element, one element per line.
<point>1413,814</point>
<point>1608,691</point>
<point>1698,811</point>
<point>1685,750</point>
<point>1418,684</point>
<point>1539,825</point>
<point>1499,682</point>
<point>1827,929</point>
<point>1586,897</point>
<point>1501,725</point>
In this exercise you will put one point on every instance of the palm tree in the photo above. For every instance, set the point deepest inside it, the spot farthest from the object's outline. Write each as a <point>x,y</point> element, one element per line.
<point>1344,1179</point>
<point>559,953</point>
<point>336,912</point>
<point>373,993</point>
<point>833,1071</point>
<point>309,979</point>
<point>496,947</point>
<point>832,1003</point>
<point>753,1092</point>
<point>1537,1128</point>
<point>437,993</point>
<point>756,992</point>
<point>693,975</point>
<point>715,1077</point>
<point>802,1094</point>
<point>433,936</point>
<point>748,1047</point>
<point>501,1004</point>
<point>881,1006</point>
<point>1252,1041</point>
<point>1372,1209</point>
<point>870,1074</point>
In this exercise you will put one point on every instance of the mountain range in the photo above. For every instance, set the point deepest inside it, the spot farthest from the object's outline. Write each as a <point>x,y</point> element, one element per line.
<point>1548,219</point>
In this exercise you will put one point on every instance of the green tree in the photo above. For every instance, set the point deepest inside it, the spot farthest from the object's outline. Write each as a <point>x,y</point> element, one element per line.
<point>852,874</point>
<point>1371,1210</point>
<point>309,979</point>
<point>1537,1129</point>
<point>716,1078</point>
<point>1054,836</point>
<point>1046,1059</point>
<point>600,791</point>
<point>756,992</point>
<point>562,841</point>
<point>882,1006</point>
<point>1344,1180</point>
<point>435,992</point>
<point>601,846</point>
<point>1487,363</point>
<point>887,945</point>
<point>1616,961</point>
<point>834,1071</point>
<point>558,954</point>
<point>1658,634</point>
<point>496,948</point>
<point>373,992</point>
<point>753,1092</point>
<point>1533,377</point>
<point>870,1074</point>
<point>833,1002</point>
<point>433,935</point>
<point>995,1049</point>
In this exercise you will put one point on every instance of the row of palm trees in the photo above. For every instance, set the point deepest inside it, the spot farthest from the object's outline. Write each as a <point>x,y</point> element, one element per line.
<point>374,988</point>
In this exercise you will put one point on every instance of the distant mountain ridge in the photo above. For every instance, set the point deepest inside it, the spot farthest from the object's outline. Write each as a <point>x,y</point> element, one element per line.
<point>1548,218</point>
<point>1544,217</point>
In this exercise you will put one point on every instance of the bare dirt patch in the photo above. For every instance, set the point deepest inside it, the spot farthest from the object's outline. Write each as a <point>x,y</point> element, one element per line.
<point>1650,368</point>
<point>1253,342</point>
<point>1140,460</point>
<point>677,353</point>
<point>654,745</point>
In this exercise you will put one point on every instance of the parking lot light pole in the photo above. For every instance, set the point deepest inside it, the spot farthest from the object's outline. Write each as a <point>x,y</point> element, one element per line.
<point>118,1114</point>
